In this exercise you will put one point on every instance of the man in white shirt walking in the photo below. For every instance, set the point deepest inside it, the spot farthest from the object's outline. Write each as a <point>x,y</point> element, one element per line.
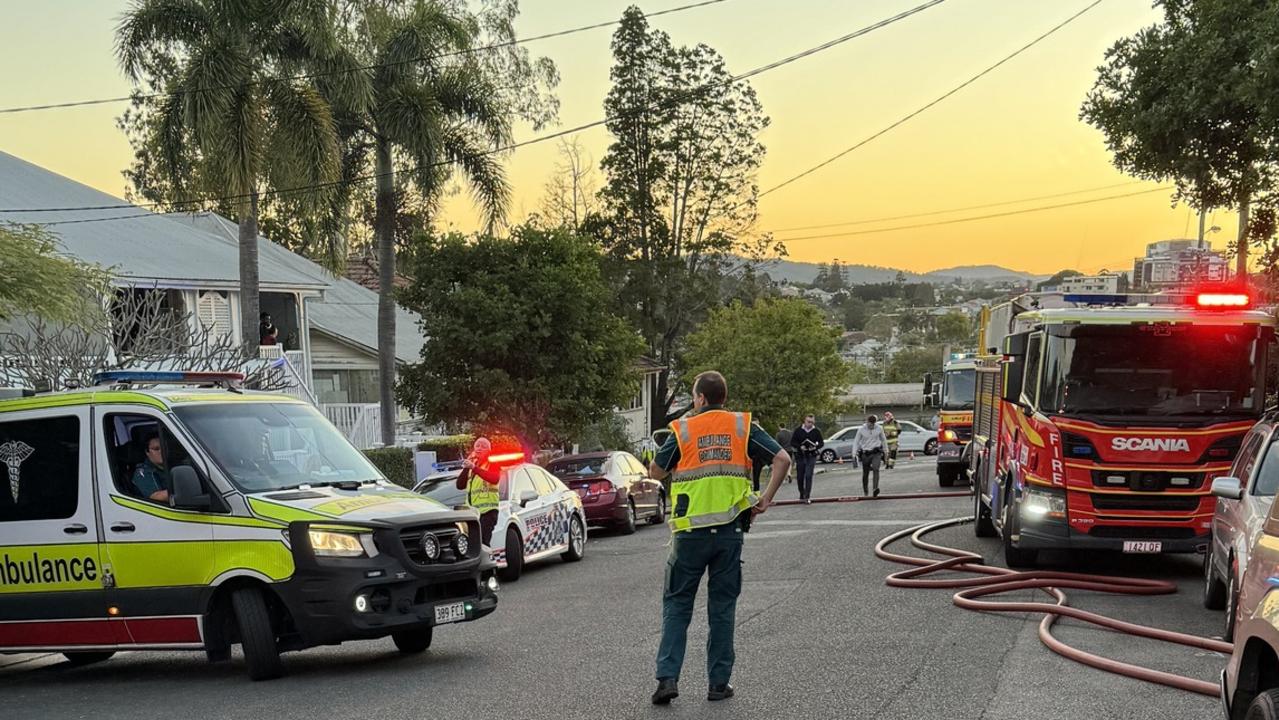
<point>870,444</point>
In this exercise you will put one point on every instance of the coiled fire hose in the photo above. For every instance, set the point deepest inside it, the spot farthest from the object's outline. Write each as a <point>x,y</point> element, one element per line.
<point>992,581</point>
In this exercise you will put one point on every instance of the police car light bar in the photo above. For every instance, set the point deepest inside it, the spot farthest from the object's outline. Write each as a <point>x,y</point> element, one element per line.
<point>1222,300</point>
<point>133,377</point>
<point>508,457</point>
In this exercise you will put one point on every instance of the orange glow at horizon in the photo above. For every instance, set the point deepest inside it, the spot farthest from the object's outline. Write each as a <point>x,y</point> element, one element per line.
<point>1013,134</point>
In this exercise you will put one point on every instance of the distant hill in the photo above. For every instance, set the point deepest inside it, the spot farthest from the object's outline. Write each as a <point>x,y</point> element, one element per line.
<point>801,272</point>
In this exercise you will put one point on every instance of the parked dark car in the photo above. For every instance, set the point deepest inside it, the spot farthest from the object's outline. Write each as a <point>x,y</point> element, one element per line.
<point>615,488</point>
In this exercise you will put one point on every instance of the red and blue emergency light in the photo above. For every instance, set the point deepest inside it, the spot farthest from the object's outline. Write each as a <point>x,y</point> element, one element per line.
<point>136,377</point>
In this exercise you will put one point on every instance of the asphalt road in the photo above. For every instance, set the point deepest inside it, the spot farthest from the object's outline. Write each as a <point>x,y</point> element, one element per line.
<point>819,636</point>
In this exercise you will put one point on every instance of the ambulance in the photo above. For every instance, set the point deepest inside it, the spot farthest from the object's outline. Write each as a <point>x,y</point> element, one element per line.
<point>176,511</point>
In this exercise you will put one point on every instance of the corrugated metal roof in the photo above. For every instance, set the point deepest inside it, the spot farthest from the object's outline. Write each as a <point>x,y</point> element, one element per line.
<point>148,247</point>
<point>348,310</point>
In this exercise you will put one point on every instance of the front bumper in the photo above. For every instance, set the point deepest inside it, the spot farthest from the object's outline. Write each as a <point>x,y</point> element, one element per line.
<point>1057,535</point>
<point>400,593</point>
<point>951,453</point>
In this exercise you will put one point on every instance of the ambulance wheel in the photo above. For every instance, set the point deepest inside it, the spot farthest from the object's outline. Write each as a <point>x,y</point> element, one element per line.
<point>412,642</point>
<point>576,540</point>
<point>257,636</point>
<point>659,517</point>
<point>1264,707</point>
<point>80,659</point>
<point>983,526</point>
<point>514,556</point>
<point>627,526</point>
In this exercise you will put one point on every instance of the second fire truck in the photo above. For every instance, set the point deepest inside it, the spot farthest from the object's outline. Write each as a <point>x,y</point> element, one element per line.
<point>1102,422</point>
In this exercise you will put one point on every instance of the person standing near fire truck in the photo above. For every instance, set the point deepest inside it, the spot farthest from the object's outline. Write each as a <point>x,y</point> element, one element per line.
<point>709,456</point>
<point>892,431</point>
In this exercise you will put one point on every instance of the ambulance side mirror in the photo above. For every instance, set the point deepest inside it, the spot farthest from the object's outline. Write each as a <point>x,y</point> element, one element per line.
<point>188,493</point>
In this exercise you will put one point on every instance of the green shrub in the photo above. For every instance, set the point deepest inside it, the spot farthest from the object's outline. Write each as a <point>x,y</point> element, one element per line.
<point>452,447</point>
<point>396,463</point>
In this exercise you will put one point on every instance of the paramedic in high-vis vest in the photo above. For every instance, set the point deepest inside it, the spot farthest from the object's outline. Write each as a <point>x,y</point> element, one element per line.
<point>709,457</point>
<point>479,479</point>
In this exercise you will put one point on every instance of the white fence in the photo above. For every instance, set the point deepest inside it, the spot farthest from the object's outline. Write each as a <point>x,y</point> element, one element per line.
<point>361,423</point>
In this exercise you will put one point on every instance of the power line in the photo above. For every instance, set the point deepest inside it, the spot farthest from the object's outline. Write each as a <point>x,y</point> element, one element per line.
<point>360,68</point>
<point>869,221</point>
<point>975,218</point>
<point>513,146</point>
<point>948,94</point>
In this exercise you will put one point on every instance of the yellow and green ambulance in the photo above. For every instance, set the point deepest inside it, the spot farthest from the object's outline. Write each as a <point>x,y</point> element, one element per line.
<point>173,510</point>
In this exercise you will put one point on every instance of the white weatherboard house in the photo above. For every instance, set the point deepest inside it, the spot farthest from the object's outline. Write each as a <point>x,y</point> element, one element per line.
<point>327,324</point>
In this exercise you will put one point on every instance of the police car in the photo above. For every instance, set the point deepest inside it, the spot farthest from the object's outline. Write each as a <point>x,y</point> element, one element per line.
<point>538,516</point>
<point>170,510</point>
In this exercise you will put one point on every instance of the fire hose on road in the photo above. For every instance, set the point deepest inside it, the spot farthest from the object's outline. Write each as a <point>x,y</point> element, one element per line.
<point>975,593</point>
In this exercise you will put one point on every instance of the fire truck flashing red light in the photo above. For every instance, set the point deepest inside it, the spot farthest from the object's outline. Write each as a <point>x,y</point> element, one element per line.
<point>1222,300</point>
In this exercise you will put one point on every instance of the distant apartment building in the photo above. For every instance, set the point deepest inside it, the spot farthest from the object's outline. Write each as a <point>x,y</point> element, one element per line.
<point>1103,283</point>
<point>1177,263</point>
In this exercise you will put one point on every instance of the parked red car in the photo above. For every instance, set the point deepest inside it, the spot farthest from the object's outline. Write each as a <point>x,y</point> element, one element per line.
<point>615,488</point>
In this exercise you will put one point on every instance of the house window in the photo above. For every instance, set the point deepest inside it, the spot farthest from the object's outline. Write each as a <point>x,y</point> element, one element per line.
<point>213,311</point>
<point>346,386</point>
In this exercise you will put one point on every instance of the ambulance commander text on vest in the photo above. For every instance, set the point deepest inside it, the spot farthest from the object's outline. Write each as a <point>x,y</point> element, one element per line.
<point>709,459</point>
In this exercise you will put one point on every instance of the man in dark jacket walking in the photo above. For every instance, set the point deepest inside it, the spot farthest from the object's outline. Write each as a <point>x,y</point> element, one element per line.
<point>807,442</point>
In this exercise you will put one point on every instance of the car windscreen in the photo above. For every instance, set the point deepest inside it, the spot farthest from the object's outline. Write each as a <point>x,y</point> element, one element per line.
<point>265,446</point>
<point>1153,370</point>
<point>577,467</point>
<point>960,390</point>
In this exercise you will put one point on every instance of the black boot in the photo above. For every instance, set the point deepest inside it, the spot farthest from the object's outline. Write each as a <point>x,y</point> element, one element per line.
<point>719,692</point>
<point>667,690</point>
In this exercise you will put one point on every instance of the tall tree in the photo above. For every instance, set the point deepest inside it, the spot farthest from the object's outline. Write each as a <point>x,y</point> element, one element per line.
<point>236,119</point>
<point>552,358</point>
<point>443,103</point>
<point>779,357</point>
<point>36,280</point>
<point>680,194</point>
<point>1182,101</point>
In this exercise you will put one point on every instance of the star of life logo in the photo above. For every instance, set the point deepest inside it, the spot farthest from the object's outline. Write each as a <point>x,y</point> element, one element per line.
<point>12,454</point>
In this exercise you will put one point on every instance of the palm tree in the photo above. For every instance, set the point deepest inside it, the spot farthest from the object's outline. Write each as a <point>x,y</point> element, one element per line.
<point>434,111</point>
<point>236,116</point>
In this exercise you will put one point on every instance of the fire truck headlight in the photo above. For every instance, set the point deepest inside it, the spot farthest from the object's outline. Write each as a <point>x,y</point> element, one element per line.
<point>1040,505</point>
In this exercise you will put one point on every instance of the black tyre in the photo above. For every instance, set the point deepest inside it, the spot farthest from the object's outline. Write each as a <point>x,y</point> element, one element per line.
<point>946,477</point>
<point>828,456</point>
<point>80,659</point>
<point>576,540</point>
<point>627,526</point>
<point>930,447</point>
<point>1232,606</point>
<point>514,556</point>
<point>412,642</point>
<point>1014,556</point>
<point>1264,707</point>
<point>257,635</point>
<point>1214,597</point>
<point>983,525</point>
<point>659,517</point>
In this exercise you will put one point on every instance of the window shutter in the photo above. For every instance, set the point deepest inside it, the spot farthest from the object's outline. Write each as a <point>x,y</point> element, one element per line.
<point>214,312</point>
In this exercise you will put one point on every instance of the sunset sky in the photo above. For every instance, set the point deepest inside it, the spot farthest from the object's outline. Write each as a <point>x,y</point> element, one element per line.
<point>1013,135</point>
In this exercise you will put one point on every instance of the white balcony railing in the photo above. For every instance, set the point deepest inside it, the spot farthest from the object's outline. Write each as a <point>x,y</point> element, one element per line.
<point>361,423</point>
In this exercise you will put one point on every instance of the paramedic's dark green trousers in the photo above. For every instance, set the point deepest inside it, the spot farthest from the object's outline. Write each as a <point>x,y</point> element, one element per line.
<point>717,551</point>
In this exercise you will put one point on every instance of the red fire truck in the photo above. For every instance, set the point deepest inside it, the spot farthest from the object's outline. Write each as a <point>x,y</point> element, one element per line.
<point>1101,421</point>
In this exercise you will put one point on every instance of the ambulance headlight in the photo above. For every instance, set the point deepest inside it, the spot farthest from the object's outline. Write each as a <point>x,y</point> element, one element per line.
<point>1037,504</point>
<point>326,543</point>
